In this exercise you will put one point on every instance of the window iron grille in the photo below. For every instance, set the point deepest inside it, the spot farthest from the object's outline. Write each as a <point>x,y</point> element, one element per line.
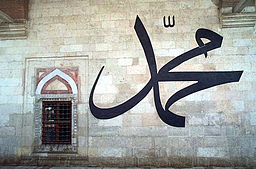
<point>56,122</point>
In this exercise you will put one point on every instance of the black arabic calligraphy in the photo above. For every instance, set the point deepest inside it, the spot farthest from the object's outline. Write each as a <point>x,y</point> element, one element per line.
<point>169,22</point>
<point>204,79</point>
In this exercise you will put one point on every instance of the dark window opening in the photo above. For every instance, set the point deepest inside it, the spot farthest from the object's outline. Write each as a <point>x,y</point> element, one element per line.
<point>56,122</point>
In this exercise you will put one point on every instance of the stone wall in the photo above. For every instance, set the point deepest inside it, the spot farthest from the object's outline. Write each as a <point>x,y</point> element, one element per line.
<point>88,34</point>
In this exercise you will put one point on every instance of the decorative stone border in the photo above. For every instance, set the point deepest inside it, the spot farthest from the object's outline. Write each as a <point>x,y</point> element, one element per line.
<point>45,148</point>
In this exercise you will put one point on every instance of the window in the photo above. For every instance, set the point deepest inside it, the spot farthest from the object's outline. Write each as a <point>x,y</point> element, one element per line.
<point>56,95</point>
<point>56,122</point>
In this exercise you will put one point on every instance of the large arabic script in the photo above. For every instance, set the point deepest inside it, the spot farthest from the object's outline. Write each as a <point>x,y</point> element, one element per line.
<point>204,79</point>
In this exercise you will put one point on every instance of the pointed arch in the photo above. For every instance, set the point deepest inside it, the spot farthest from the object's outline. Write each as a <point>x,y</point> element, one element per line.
<point>54,73</point>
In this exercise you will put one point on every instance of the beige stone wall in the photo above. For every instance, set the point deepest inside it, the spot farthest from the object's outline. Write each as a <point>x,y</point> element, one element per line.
<point>220,122</point>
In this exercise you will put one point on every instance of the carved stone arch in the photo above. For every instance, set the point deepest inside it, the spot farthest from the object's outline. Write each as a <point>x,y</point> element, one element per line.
<point>51,75</point>
<point>69,95</point>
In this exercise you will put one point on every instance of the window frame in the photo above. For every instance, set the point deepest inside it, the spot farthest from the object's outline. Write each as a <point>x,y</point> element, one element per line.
<point>55,148</point>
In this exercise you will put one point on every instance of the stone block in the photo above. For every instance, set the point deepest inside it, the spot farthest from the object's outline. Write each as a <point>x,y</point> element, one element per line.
<point>104,131</point>
<point>82,141</point>
<point>164,142</point>
<point>215,142</point>
<point>16,120</point>
<point>132,120</point>
<point>107,142</point>
<point>143,108</point>
<point>138,69</point>
<point>125,61</point>
<point>102,47</point>
<point>8,151</point>
<point>144,131</point>
<point>28,119</point>
<point>93,152</point>
<point>143,142</point>
<point>4,121</point>
<point>215,119</point>
<point>111,152</point>
<point>151,119</point>
<point>197,120</point>
<point>12,82</point>
<point>71,48</point>
<point>7,131</point>
<point>211,152</point>
<point>196,131</point>
<point>118,16</point>
<point>27,131</point>
<point>106,80</point>
<point>230,131</point>
<point>177,131</point>
<point>185,151</point>
<point>105,89</point>
<point>242,42</point>
<point>82,122</point>
<point>10,91</point>
<point>162,52</point>
<point>27,141</point>
<point>212,131</point>
<point>12,99</point>
<point>143,152</point>
<point>180,161</point>
<point>117,121</point>
<point>253,118</point>
<point>108,24</point>
<point>82,109</point>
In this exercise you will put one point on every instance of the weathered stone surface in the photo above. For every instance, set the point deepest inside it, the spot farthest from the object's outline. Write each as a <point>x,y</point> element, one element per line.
<point>220,121</point>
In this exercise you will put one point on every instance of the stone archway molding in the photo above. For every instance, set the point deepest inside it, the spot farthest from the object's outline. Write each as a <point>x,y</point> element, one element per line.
<point>54,73</point>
